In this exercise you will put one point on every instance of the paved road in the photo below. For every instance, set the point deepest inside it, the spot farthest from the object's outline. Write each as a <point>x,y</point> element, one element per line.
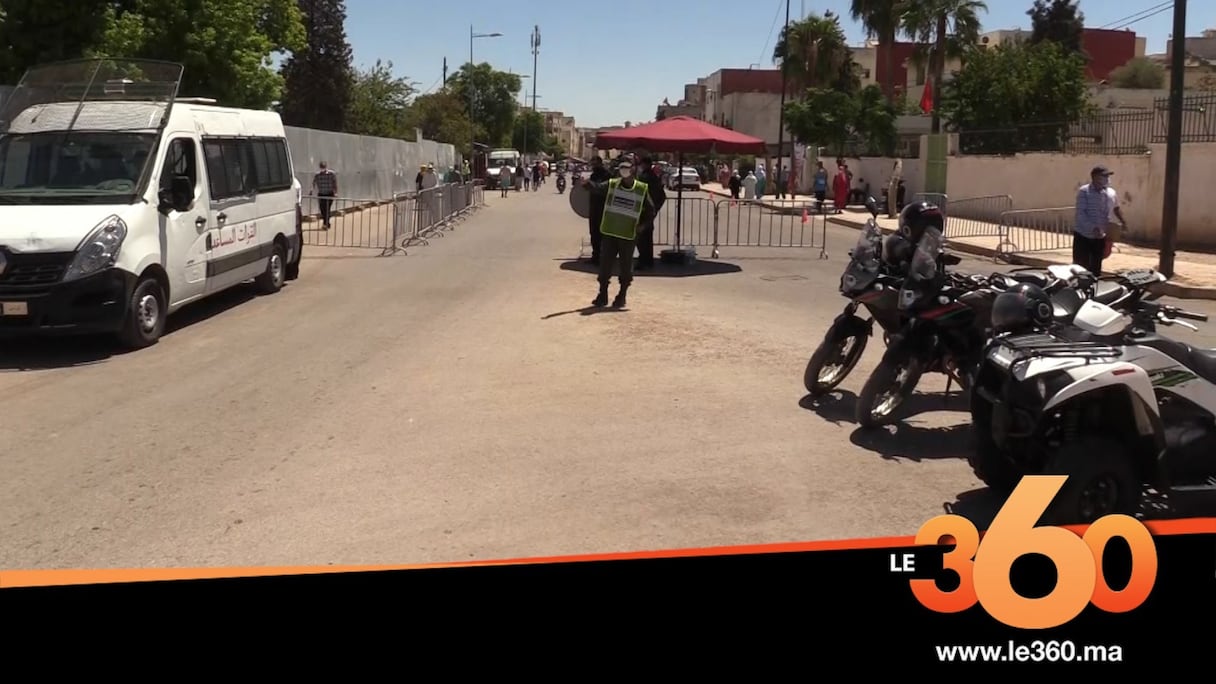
<point>454,404</point>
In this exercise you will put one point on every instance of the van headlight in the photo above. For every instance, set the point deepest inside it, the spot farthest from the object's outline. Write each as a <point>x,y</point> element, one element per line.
<point>99,250</point>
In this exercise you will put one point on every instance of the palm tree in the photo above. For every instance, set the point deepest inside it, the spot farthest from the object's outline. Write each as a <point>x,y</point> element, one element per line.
<point>813,53</point>
<point>882,19</point>
<point>951,26</point>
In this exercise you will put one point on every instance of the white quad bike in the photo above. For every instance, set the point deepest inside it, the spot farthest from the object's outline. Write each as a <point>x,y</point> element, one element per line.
<point>1104,400</point>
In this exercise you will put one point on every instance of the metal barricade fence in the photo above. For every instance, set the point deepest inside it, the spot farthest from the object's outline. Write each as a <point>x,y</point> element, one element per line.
<point>721,223</point>
<point>388,225</point>
<point>1035,230</point>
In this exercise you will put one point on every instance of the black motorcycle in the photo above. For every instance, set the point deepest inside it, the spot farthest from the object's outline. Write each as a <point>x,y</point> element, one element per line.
<point>561,183</point>
<point>948,322</point>
<point>866,282</point>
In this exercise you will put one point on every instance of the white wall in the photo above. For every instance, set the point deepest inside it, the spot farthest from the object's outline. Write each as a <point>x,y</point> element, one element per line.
<point>1044,180</point>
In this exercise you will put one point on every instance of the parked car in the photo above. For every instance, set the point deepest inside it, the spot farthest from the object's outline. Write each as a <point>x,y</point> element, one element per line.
<point>687,178</point>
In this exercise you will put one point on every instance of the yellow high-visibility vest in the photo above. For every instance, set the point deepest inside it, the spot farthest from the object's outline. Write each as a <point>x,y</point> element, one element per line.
<point>622,209</point>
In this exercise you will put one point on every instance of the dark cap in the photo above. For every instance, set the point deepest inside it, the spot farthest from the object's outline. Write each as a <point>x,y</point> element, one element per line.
<point>1101,171</point>
<point>626,161</point>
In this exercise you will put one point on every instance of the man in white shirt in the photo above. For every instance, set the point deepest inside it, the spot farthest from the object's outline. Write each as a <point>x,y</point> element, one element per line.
<point>1097,207</point>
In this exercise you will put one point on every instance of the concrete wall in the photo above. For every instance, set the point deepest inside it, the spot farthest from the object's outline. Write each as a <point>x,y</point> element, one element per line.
<point>1046,180</point>
<point>368,168</point>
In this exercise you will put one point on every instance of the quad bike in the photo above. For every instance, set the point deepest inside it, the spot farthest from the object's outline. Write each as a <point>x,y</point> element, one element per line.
<point>1104,400</point>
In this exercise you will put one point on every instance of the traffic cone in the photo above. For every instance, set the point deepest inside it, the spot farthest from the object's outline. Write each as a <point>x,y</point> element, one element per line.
<point>805,216</point>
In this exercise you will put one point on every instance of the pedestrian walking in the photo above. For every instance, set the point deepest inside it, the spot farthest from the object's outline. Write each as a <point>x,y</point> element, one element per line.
<point>820,184</point>
<point>627,205</point>
<point>840,188</point>
<point>527,178</point>
<point>761,180</point>
<point>654,186</point>
<point>325,187</point>
<point>599,174</point>
<point>519,177</point>
<point>736,184</point>
<point>505,180</point>
<point>1096,213</point>
<point>749,186</point>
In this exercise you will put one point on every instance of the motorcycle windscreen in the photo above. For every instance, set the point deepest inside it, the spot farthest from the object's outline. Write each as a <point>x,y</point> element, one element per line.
<point>864,263</point>
<point>923,269</point>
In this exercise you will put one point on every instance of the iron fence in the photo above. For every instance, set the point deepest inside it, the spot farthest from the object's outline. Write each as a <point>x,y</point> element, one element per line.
<point>715,224</point>
<point>1128,131</point>
<point>389,225</point>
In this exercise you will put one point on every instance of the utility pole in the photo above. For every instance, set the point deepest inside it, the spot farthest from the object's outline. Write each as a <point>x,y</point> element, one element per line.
<point>1173,144</point>
<point>781,112</point>
<point>445,72</point>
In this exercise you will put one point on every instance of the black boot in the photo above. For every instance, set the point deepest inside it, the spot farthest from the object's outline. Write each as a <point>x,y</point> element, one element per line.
<point>602,298</point>
<point>619,302</point>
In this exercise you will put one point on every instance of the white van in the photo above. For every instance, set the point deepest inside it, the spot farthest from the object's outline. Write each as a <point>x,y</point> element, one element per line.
<point>121,203</point>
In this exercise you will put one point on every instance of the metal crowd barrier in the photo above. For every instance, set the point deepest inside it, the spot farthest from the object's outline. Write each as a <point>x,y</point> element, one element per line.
<point>392,225</point>
<point>721,223</point>
<point>1035,230</point>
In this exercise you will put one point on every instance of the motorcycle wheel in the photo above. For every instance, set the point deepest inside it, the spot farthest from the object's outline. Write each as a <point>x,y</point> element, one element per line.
<point>838,354</point>
<point>1102,481</point>
<point>888,388</point>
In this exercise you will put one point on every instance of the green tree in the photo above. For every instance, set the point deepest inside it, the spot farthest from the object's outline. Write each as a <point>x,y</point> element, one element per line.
<point>882,19</point>
<point>814,53</point>
<point>951,27</point>
<point>1037,90</point>
<point>226,46</point>
<point>1057,21</point>
<point>380,103</point>
<point>528,133</point>
<point>833,119</point>
<point>318,79</point>
<point>491,100</point>
<point>1140,73</point>
<point>441,117</point>
<point>38,31</point>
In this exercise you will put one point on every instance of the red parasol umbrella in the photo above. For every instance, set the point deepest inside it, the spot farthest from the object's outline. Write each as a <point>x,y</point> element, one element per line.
<point>680,134</point>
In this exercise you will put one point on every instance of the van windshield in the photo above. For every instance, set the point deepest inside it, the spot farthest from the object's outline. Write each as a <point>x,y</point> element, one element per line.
<point>77,167</point>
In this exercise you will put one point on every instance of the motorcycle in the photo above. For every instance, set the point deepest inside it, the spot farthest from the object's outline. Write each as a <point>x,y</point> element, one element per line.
<point>561,183</point>
<point>947,321</point>
<point>1105,400</point>
<point>866,283</point>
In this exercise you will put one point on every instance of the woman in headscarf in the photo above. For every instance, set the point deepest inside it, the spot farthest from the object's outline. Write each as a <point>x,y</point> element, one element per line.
<point>761,179</point>
<point>840,187</point>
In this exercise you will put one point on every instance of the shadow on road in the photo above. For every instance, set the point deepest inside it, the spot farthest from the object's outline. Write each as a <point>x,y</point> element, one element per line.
<point>67,352</point>
<point>660,270</point>
<point>901,441</point>
<point>839,406</point>
<point>586,311</point>
<point>980,506</point>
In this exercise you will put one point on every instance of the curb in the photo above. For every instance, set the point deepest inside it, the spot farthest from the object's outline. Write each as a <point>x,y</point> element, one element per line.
<point>1168,289</point>
<point>780,209</point>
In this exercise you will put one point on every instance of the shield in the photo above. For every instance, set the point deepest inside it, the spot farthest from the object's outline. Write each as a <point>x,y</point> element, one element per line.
<point>580,199</point>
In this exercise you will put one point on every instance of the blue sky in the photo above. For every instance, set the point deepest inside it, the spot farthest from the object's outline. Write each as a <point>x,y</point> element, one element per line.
<point>671,42</point>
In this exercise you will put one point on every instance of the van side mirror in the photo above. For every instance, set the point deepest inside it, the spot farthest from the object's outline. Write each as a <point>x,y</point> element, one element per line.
<point>179,196</point>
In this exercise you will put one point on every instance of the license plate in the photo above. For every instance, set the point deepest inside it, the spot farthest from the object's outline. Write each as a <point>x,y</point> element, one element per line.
<point>14,309</point>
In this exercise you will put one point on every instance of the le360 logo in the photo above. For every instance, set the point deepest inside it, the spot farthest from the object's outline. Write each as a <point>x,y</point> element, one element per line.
<point>984,568</point>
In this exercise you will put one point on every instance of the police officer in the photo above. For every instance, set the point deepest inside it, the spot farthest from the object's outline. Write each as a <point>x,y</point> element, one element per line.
<point>627,204</point>
<point>598,175</point>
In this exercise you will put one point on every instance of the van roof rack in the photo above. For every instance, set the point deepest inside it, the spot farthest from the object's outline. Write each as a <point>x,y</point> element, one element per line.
<point>197,100</point>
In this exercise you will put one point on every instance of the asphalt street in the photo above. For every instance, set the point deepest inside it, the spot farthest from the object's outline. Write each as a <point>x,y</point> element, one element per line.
<point>460,402</point>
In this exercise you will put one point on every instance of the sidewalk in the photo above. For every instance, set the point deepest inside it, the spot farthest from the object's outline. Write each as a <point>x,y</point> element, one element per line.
<point>785,206</point>
<point>1194,278</point>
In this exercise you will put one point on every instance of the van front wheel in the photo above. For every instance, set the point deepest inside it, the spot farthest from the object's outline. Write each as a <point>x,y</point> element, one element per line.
<point>145,321</point>
<point>271,280</point>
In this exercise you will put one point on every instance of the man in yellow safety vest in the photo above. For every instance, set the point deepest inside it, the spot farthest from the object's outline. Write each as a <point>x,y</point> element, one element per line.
<point>627,204</point>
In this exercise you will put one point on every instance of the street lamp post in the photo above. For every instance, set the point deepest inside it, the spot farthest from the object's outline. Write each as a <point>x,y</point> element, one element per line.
<point>469,84</point>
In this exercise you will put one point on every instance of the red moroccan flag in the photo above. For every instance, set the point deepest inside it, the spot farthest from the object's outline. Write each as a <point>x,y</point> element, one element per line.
<point>926,98</point>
